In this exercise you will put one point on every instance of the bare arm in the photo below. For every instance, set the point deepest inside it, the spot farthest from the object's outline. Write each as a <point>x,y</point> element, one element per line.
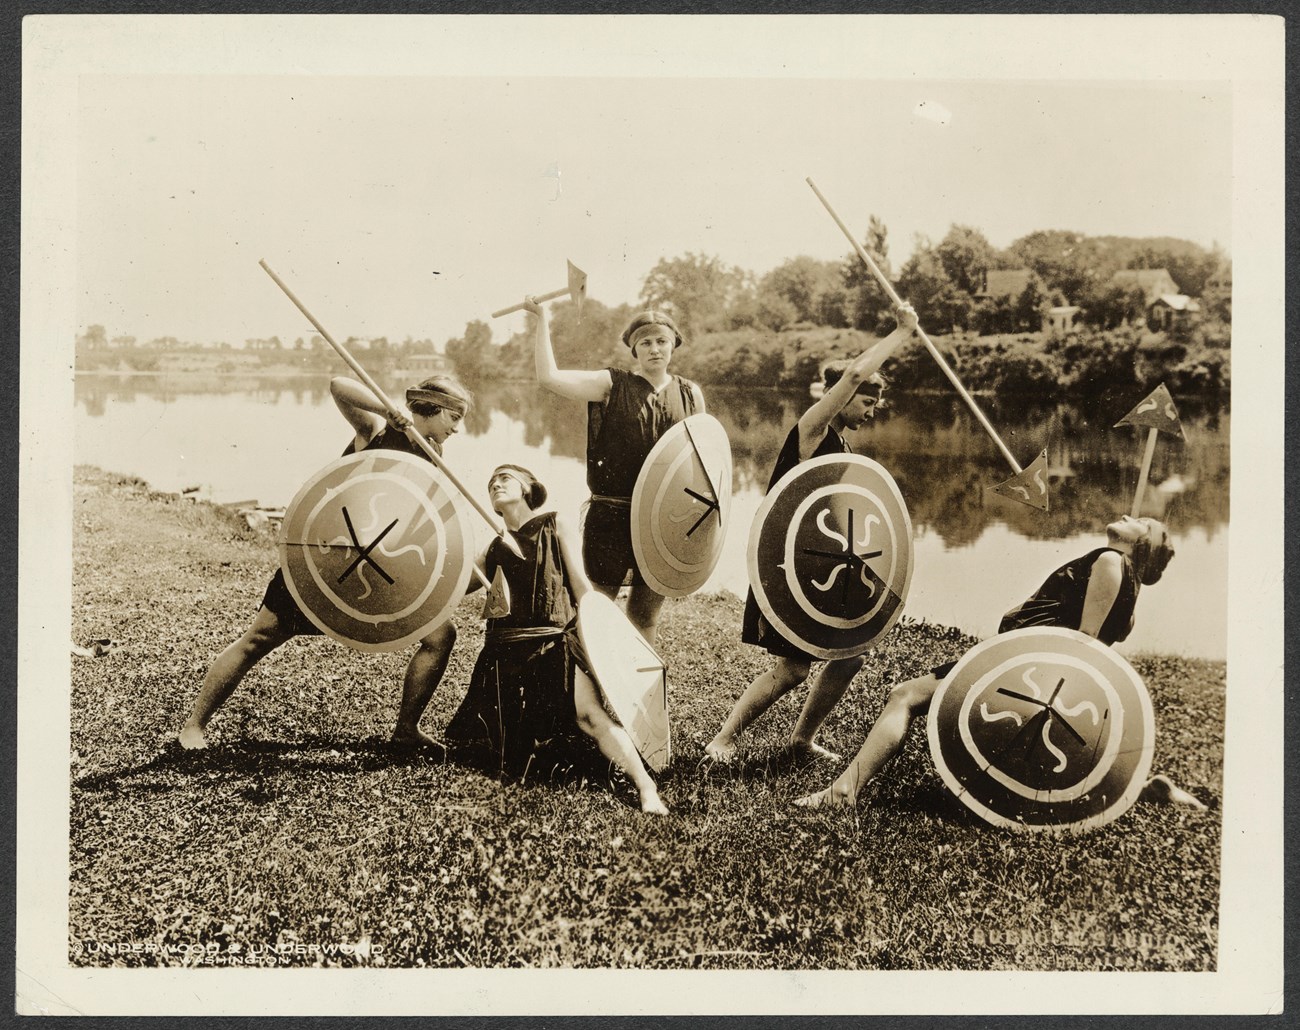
<point>363,410</point>
<point>579,584</point>
<point>578,384</point>
<point>817,419</point>
<point>699,398</point>
<point>1103,588</point>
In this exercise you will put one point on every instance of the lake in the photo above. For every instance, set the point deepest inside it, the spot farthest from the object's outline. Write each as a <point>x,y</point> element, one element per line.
<point>977,554</point>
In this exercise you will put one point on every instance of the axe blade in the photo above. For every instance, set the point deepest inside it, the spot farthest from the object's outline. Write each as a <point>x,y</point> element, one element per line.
<point>577,286</point>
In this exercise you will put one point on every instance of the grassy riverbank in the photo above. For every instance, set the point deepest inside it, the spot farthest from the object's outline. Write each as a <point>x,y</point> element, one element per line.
<point>301,838</point>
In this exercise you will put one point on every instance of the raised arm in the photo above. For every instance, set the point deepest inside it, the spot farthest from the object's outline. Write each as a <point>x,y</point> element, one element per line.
<point>1103,587</point>
<point>815,421</point>
<point>578,384</point>
<point>363,410</point>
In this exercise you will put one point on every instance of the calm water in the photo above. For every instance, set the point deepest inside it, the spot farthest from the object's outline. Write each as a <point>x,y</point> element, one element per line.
<point>976,553</point>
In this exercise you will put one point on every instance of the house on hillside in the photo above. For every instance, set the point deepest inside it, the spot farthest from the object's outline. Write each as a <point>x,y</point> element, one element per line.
<point>425,365</point>
<point>1061,318</point>
<point>1004,282</point>
<point>1163,302</point>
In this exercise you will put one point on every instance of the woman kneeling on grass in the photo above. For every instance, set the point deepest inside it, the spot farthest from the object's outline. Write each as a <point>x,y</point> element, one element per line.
<point>1095,594</point>
<point>532,707</point>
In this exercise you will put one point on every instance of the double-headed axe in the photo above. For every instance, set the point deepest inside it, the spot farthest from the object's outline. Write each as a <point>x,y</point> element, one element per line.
<point>1028,485</point>
<point>577,289</point>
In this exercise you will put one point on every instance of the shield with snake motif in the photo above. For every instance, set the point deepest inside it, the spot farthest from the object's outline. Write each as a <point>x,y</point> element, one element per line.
<point>830,555</point>
<point>680,506</point>
<point>1043,730</point>
<point>375,549</point>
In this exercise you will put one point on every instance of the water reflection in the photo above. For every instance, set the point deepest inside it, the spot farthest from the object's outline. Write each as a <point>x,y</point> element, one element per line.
<point>251,436</point>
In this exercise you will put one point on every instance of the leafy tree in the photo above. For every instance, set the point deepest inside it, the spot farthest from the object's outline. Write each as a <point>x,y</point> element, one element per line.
<point>965,255</point>
<point>800,283</point>
<point>471,352</point>
<point>868,305</point>
<point>1062,260</point>
<point>96,336</point>
<point>696,289</point>
<point>925,284</point>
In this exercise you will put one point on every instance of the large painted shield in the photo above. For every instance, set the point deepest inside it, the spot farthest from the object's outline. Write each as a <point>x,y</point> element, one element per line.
<point>375,549</point>
<point>680,506</point>
<point>1043,730</point>
<point>830,555</point>
<point>630,674</point>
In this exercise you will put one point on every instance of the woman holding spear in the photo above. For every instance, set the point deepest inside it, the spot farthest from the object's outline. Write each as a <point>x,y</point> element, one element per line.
<point>437,406</point>
<point>627,412</point>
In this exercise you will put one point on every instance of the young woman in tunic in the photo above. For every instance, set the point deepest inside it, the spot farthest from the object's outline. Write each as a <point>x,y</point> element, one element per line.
<point>852,390</point>
<point>1094,594</point>
<point>437,406</point>
<point>627,413</point>
<point>532,708</point>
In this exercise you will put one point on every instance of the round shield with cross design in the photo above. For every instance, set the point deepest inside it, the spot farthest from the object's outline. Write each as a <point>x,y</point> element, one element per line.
<point>1043,729</point>
<point>375,549</point>
<point>830,555</point>
<point>680,506</point>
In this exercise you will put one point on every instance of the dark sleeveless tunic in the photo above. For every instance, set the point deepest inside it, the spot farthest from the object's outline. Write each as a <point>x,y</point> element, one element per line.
<point>277,597</point>
<point>755,629</point>
<point>621,432</point>
<point>1059,601</point>
<point>518,716</point>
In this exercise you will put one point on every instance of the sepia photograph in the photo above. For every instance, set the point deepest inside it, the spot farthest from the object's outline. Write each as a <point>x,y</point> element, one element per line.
<point>647,514</point>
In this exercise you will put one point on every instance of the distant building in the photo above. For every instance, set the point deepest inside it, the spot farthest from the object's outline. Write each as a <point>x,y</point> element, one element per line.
<point>1061,318</point>
<point>1004,282</point>
<point>425,364</point>
<point>1163,303</point>
<point>1154,282</point>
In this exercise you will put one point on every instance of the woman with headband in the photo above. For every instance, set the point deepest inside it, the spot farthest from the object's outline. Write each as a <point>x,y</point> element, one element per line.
<point>1095,594</point>
<point>627,412</point>
<point>437,406</point>
<point>531,708</point>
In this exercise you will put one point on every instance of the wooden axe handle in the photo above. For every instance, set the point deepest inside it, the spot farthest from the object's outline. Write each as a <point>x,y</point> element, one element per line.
<point>544,297</point>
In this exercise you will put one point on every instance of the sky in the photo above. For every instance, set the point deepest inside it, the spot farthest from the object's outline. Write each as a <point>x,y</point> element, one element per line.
<point>407,205</point>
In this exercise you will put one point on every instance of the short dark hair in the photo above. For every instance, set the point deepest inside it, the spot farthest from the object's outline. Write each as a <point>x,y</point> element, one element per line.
<point>1151,558</point>
<point>833,372</point>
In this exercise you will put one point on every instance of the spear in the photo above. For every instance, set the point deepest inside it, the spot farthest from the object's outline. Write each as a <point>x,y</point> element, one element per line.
<point>1157,413</point>
<point>393,409</point>
<point>1015,487</point>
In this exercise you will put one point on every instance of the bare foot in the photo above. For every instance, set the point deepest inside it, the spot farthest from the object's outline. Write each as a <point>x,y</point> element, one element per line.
<point>652,804</point>
<point>192,738</point>
<point>805,750</point>
<point>828,798</point>
<point>1163,791</point>
<point>413,737</point>
<point>720,751</point>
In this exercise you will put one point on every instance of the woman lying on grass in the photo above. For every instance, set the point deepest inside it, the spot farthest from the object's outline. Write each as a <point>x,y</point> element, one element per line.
<point>1095,594</point>
<point>531,707</point>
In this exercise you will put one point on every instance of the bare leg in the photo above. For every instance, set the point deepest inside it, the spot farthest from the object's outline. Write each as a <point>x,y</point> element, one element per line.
<point>823,695</point>
<point>758,697</point>
<point>227,669</point>
<point>906,702</point>
<point>643,606</point>
<point>613,741</point>
<point>423,675</point>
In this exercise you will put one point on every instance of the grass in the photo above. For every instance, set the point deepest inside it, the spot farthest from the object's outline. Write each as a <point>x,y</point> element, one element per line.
<point>302,839</point>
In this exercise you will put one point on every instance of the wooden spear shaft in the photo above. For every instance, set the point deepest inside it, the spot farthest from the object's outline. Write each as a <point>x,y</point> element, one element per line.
<point>1152,433</point>
<point>934,352</point>
<point>411,433</point>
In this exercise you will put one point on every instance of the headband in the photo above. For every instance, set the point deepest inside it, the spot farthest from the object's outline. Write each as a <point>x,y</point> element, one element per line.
<point>534,491</point>
<point>438,397</point>
<point>650,319</point>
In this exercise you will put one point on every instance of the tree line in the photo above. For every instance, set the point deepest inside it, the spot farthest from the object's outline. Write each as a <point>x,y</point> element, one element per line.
<point>778,329</point>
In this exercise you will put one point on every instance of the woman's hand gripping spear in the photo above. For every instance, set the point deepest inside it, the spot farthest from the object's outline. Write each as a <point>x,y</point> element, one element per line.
<point>399,416</point>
